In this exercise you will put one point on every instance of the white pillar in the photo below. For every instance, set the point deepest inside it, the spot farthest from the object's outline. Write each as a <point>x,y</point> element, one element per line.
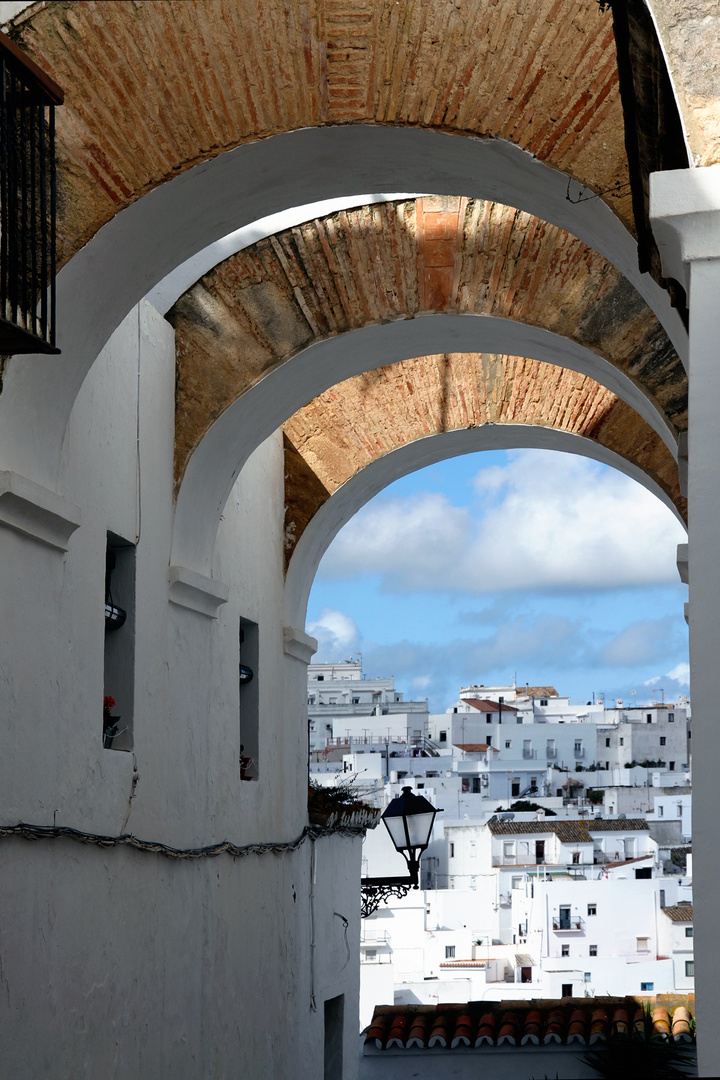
<point>685,214</point>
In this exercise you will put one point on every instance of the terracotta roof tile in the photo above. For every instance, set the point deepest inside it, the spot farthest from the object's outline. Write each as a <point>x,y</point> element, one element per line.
<point>482,705</point>
<point>476,747</point>
<point>679,913</point>
<point>482,1024</point>
<point>618,825</point>
<point>536,691</point>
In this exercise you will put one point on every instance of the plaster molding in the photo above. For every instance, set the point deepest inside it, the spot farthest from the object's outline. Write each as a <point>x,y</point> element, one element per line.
<point>685,218</point>
<point>37,512</point>
<point>196,592</point>
<point>298,644</point>
<point>682,563</point>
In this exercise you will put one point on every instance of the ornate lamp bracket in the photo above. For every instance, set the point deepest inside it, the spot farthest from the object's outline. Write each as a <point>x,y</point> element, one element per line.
<point>377,891</point>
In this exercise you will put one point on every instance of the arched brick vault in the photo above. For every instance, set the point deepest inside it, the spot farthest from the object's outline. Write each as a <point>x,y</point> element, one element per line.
<point>154,88</point>
<point>401,260</point>
<point>361,419</point>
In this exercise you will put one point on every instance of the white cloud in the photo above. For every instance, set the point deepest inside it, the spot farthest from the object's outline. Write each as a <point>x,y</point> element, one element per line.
<point>337,635</point>
<point>543,520</point>
<point>681,674</point>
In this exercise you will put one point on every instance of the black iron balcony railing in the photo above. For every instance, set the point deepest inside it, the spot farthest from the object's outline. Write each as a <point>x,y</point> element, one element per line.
<point>568,922</point>
<point>28,203</point>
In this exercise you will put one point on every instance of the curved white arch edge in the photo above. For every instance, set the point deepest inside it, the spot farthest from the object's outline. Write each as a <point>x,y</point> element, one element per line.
<point>150,238</point>
<point>371,480</point>
<point>216,463</point>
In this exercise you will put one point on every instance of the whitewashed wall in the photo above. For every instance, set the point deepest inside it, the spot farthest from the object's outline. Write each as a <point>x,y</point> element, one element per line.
<point>130,963</point>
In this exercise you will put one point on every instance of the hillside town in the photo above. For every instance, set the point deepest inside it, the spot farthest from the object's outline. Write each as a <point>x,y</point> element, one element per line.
<point>561,863</point>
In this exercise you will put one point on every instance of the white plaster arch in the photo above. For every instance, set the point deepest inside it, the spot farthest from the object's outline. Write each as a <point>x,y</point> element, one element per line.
<point>155,234</point>
<point>217,461</point>
<point>368,482</point>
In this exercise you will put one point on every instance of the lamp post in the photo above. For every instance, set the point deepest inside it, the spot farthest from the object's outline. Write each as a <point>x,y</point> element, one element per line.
<point>409,820</point>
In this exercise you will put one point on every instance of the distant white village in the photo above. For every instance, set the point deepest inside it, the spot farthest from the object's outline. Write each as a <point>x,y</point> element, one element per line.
<point>561,862</point>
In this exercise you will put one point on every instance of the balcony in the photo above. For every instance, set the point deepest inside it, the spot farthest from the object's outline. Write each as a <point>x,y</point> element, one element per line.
<point>579,753</point>
<point>27,203</point>
<point>529,754</point>
<point>571,924</point>
<point>551,753</point>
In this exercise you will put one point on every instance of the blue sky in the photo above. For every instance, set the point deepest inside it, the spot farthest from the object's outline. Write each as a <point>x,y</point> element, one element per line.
<point>530,563</point>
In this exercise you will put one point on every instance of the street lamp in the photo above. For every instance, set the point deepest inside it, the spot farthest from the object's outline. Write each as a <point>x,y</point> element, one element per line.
<point>409,820</point>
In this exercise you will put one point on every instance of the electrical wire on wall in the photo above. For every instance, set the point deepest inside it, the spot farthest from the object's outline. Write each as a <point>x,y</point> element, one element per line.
<point>156,847</point>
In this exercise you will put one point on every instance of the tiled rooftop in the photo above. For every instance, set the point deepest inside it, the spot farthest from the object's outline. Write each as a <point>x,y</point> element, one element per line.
<point>483,705</point>
<point>536,1023</point>
<point>536,691</point>
<point>679,913</point>
<point>568,832</point>
<point>476,748</point>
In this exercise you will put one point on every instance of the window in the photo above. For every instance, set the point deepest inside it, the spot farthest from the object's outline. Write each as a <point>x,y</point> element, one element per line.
<point>643,944</point>
<point>588,974</point>
<point>607,742</point>
<point>489,740</point>
<point>543,701</point>
<point>501,700</point>
<point>578,746</point>
<point>356,701</point>
<point>472,849</point>
<point>671,718</point>
<point>443,736</point>
<point>119,670</point>
<point>663,740</point>
<point>592,909</point>
<point>449,952</point>
<point>593,950</point>
<point>622,742</point>
<point>565,950</point>
<point>688,931</point>
<point>320,678</point>
<point>661,811</point>
<point>690,969</point>
<point>371,954</point>
<point>576,856</point>
<point>671,766</point>
<point>567,989</point>
<point>248,701</point>
<point>648,718</point>
<point>452,851</point>
<point>647,987</point>
<point>509,849</point>
<point>508,744</point>
<point>488,718</point>
<point>516,883</point>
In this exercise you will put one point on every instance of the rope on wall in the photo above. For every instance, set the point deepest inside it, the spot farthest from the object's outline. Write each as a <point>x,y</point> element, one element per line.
<point>56,832</point>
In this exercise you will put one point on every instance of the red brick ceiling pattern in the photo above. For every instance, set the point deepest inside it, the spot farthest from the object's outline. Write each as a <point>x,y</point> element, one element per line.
<point>152,88</point>
<point>366,417</point>
<point>398,260</point>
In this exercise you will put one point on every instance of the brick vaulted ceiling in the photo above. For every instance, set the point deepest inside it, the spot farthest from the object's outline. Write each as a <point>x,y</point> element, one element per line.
<point>363,418</point>
<point>152,88</point>
<point>400,260</point>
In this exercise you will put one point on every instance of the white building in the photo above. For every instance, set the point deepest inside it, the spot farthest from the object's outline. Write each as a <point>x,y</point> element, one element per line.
<point>345,706</point>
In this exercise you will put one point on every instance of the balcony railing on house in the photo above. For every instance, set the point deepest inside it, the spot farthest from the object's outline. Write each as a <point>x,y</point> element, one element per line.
<point>529,754</point>
<point>28,203</point>
<point>551,753</point>
<point>568,924</point>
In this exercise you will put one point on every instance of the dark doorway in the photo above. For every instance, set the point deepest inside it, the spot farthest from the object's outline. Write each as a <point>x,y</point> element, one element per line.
<point>334,1010</point>
<point>539,851</point>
